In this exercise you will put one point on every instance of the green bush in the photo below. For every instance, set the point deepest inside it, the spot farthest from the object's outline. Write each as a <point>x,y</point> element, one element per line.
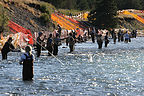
<point>45,18</point>
<point>43,8</point>
<point>46,8</point>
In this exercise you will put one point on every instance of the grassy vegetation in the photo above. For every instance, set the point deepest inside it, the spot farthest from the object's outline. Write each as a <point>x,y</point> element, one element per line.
<point>67,11</point>
<point>44,10</point>
<point>131,24</point>
<point>47,7</point>
<point>43,7</point>
<point>136,24</point>
<point>33,23</point>
<point>39,9</point>
<point>3,19</point>
<point>45,18</point>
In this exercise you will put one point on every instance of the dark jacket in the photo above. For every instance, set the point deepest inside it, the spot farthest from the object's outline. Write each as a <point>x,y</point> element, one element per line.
<point>7,48</point>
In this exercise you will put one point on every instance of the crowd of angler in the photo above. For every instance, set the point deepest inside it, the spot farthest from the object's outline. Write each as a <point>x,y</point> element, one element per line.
<point>53,42</point>
<point>100,36</point>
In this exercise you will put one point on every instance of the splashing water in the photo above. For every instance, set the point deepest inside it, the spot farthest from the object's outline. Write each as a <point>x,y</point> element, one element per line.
<point>90,58</point>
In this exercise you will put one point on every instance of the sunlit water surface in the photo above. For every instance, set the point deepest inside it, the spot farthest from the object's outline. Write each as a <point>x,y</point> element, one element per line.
<point>114,71</point>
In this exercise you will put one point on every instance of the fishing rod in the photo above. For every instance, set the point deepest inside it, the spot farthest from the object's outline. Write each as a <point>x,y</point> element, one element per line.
<point>47,50</point>
<point>89,55</point>
<point>21,50</point>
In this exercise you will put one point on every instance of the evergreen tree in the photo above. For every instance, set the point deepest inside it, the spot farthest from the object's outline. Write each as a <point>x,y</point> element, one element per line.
<point>120,4</point>
<point>82,5</point>
<point>105,15</point>
<point>142,4</point>
<point>93,4</point>
<point>133,4</point>
<point>56,3</point>
<point>68,4</point>
<point>129,4</point>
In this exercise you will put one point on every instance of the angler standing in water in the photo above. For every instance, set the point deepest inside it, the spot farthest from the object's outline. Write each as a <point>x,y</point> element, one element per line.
<point>57,42</point>
<point>59,30</point>
<point>67,38</point>
<point>27,60</point>
<point>92,33</point>
<point>114,37</point>
<point>71,42</point>
<point>126,36</point>
<point>7,48</point>
<point>106,39</point>
<point>119,35</point>
<point>39,43</point>
<point>99,40</point>
<point>50,45</point>
<point>122,36</point>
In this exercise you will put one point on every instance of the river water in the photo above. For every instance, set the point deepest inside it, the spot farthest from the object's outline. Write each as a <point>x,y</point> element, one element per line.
<point>114,71</point>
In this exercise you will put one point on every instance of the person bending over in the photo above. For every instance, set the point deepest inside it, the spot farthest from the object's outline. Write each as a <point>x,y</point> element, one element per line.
<point>8,46</point>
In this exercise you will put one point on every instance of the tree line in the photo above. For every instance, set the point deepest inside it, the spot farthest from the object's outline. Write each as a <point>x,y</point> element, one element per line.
<point>92,4</point>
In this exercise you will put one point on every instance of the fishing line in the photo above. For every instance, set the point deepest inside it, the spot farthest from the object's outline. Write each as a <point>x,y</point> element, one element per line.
<point>22,51</point>
<point>48,51</point>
